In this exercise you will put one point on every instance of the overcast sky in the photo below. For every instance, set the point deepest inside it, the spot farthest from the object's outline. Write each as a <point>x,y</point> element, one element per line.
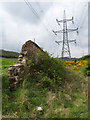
<point>21,22</point>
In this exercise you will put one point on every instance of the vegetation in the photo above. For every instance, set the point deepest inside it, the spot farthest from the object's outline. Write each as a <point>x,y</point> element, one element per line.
<point>76,64</point>
<point>86,57</point>
<point>86,70</point>
<point>8,54</point>
<point>51,84</point>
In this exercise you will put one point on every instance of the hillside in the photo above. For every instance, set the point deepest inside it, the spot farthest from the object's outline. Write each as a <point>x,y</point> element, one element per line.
<point>66,58</point>
<point>8,54</point>
<point>86,57</point>
<point>58,89</point>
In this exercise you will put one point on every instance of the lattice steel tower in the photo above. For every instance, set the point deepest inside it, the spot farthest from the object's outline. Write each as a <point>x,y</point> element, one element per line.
<point>65,42</point>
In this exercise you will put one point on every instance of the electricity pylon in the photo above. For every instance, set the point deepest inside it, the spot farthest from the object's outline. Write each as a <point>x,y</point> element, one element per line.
<point>65,42</point>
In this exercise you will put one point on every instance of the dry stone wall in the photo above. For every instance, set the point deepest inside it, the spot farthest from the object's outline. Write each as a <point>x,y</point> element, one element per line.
<point>20,69</point>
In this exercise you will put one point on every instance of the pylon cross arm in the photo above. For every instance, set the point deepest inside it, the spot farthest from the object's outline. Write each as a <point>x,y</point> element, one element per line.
<point>55,32</point>
<point>71,30</point>
<point>59,20</point>
<point>72,40</point>
<point>58,42</point>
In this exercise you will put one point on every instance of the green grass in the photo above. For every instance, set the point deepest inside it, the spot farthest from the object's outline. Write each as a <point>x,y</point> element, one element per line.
<point>4,81</point>
<point>6,62</point>
<point>61,92</point>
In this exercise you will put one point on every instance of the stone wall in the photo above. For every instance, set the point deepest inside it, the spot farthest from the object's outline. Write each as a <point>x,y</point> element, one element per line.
<point>29,52</point>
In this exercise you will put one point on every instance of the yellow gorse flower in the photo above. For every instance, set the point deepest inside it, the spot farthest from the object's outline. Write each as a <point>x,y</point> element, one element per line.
<point>77,64</point>
<point>69,63</point>
<point>75,68</point>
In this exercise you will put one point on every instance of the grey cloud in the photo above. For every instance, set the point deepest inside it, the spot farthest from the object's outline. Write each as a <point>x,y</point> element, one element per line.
<point>31,13</point>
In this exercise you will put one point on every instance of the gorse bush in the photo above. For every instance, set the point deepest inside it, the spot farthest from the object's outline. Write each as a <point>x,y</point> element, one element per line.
<point>76,64</point>
<point>48,72</point>
<point>86,70</point>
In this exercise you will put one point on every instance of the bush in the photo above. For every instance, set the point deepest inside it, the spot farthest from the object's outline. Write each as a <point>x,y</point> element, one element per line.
<point>49,72</point>
<point>86,70</point>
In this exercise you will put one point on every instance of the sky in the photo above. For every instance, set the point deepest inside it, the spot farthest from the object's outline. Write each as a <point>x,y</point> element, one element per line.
<point>25,20</point>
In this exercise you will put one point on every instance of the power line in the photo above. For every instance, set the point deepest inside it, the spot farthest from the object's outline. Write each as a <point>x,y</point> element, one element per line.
<point>31,8</point>
<point>40,7</point>
<point>46,20</point>
<point>36,14</point>
<point>81,23</point>
<point>82,17</point>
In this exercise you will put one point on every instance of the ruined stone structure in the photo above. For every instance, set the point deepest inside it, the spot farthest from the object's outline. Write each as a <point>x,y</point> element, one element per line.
<point>20,69</point>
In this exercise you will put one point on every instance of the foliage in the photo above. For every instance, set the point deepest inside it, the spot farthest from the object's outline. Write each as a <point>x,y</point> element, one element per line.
<point>76,64</point>
<point>48,72</point>
<point>69,63</point>
<point>75,68</point>
<point>86,70</point>
<point>86,57</point>
<point>82,63</point>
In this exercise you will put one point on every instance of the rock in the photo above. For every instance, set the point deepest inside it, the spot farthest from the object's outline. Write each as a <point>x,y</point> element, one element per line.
<point>23,61</point>
<point>20,59</point>
<point>20,56</point>
<point>39,109</point>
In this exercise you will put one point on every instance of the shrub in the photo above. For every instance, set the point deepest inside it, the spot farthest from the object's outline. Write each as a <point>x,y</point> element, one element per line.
<point>47,82</point>
<point>86,70</point>
<point>49,72</point>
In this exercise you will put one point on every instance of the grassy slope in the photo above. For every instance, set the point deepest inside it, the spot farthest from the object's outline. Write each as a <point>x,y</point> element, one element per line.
<point>8,54</point>
<point>68,101</point>
<point>4,65</point>
<point>86,57</point>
